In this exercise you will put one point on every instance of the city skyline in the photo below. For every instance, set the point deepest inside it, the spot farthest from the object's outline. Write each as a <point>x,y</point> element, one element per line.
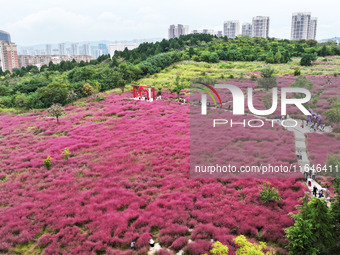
<point>45,23</point>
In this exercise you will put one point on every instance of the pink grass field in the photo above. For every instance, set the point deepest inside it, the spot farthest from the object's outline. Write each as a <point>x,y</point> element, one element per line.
<point>127,180</point>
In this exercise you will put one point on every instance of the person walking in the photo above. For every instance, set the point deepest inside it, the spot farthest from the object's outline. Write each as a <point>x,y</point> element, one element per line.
<point>321,194</point>
<point>315,190</point>
<point>152,243</point>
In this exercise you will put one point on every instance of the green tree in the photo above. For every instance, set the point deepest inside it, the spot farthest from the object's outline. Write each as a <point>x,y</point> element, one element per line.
<point>56,110</point>
<point>313,231</point>
<point>20,100</point>
<point>323,51</point>
<point>307,59</point>
<point>267,79</point>
<point>4,91</point>
<point>335,216</point>
<point>178,86</point>
<point>55,92</point>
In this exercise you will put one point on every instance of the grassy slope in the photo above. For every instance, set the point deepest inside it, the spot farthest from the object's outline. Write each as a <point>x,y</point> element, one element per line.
<point>189,69</point>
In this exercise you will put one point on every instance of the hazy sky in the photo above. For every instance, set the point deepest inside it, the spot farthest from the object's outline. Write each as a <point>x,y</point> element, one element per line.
<point>46,21</point>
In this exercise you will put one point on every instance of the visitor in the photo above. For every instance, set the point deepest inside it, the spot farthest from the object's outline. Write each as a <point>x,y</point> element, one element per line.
<point>152,243</point>
<point>329,81</point>
<point>315,190</point>
<point>321,194</point>
<point>132,245</point>
<point>300,155</point>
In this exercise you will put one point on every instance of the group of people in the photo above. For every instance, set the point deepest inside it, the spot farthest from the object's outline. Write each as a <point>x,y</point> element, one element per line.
<point>314,120</point>
<point>141,98</point>
<point>181,100</point>
<point>151,242</point>
<point>315,191</point>
<point>321,195</point>
<point>145,98</point>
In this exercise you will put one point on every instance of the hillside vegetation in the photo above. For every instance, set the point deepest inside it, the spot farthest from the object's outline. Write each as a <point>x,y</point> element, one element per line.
<point>30,88</point>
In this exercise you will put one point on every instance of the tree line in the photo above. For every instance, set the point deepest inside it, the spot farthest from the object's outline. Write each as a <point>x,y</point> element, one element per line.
<point>30,87</point>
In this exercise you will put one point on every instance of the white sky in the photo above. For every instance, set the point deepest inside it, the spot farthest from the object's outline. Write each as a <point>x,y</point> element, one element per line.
<point>52,21</point>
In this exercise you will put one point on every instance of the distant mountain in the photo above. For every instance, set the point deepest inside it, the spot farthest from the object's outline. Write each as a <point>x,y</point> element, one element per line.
<point>331,39</point>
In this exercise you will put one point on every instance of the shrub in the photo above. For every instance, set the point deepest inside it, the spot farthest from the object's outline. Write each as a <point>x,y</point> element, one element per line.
<point>307,59</point>
<point>267,80</point>
<point>248,247</point>
<point>66,153</point>
<point>269,194</point>
<point>297,71</point>
<point>88,89</point>
<point>72,96</point>
<point>253,77</point>
<point>219,249</point>
<point>179,243</point>
<point>48,162</point>
<point>197,248</point>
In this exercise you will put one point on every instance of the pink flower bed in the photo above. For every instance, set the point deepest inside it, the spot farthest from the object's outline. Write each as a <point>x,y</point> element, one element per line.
<point>321,145</point>
<point>127,180</point>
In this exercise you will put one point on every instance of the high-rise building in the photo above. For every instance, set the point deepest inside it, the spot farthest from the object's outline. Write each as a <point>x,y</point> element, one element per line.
<point>177,31</point>
<point>260,27</point>
<point>171,32</point>
<point>75,49</point>
<point>247,29</point>
<point>219,34</point>
<point>4,36</point>
<point>48,49</point>
<point>303,26</point>
<point>300,25</point>
<point>103,48</point>
<point>97,53</point>
<point>8,56</point>
<point>87,49</point>
<point>312,29</point>
<point>231,28</point>
<point>62,50</point>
